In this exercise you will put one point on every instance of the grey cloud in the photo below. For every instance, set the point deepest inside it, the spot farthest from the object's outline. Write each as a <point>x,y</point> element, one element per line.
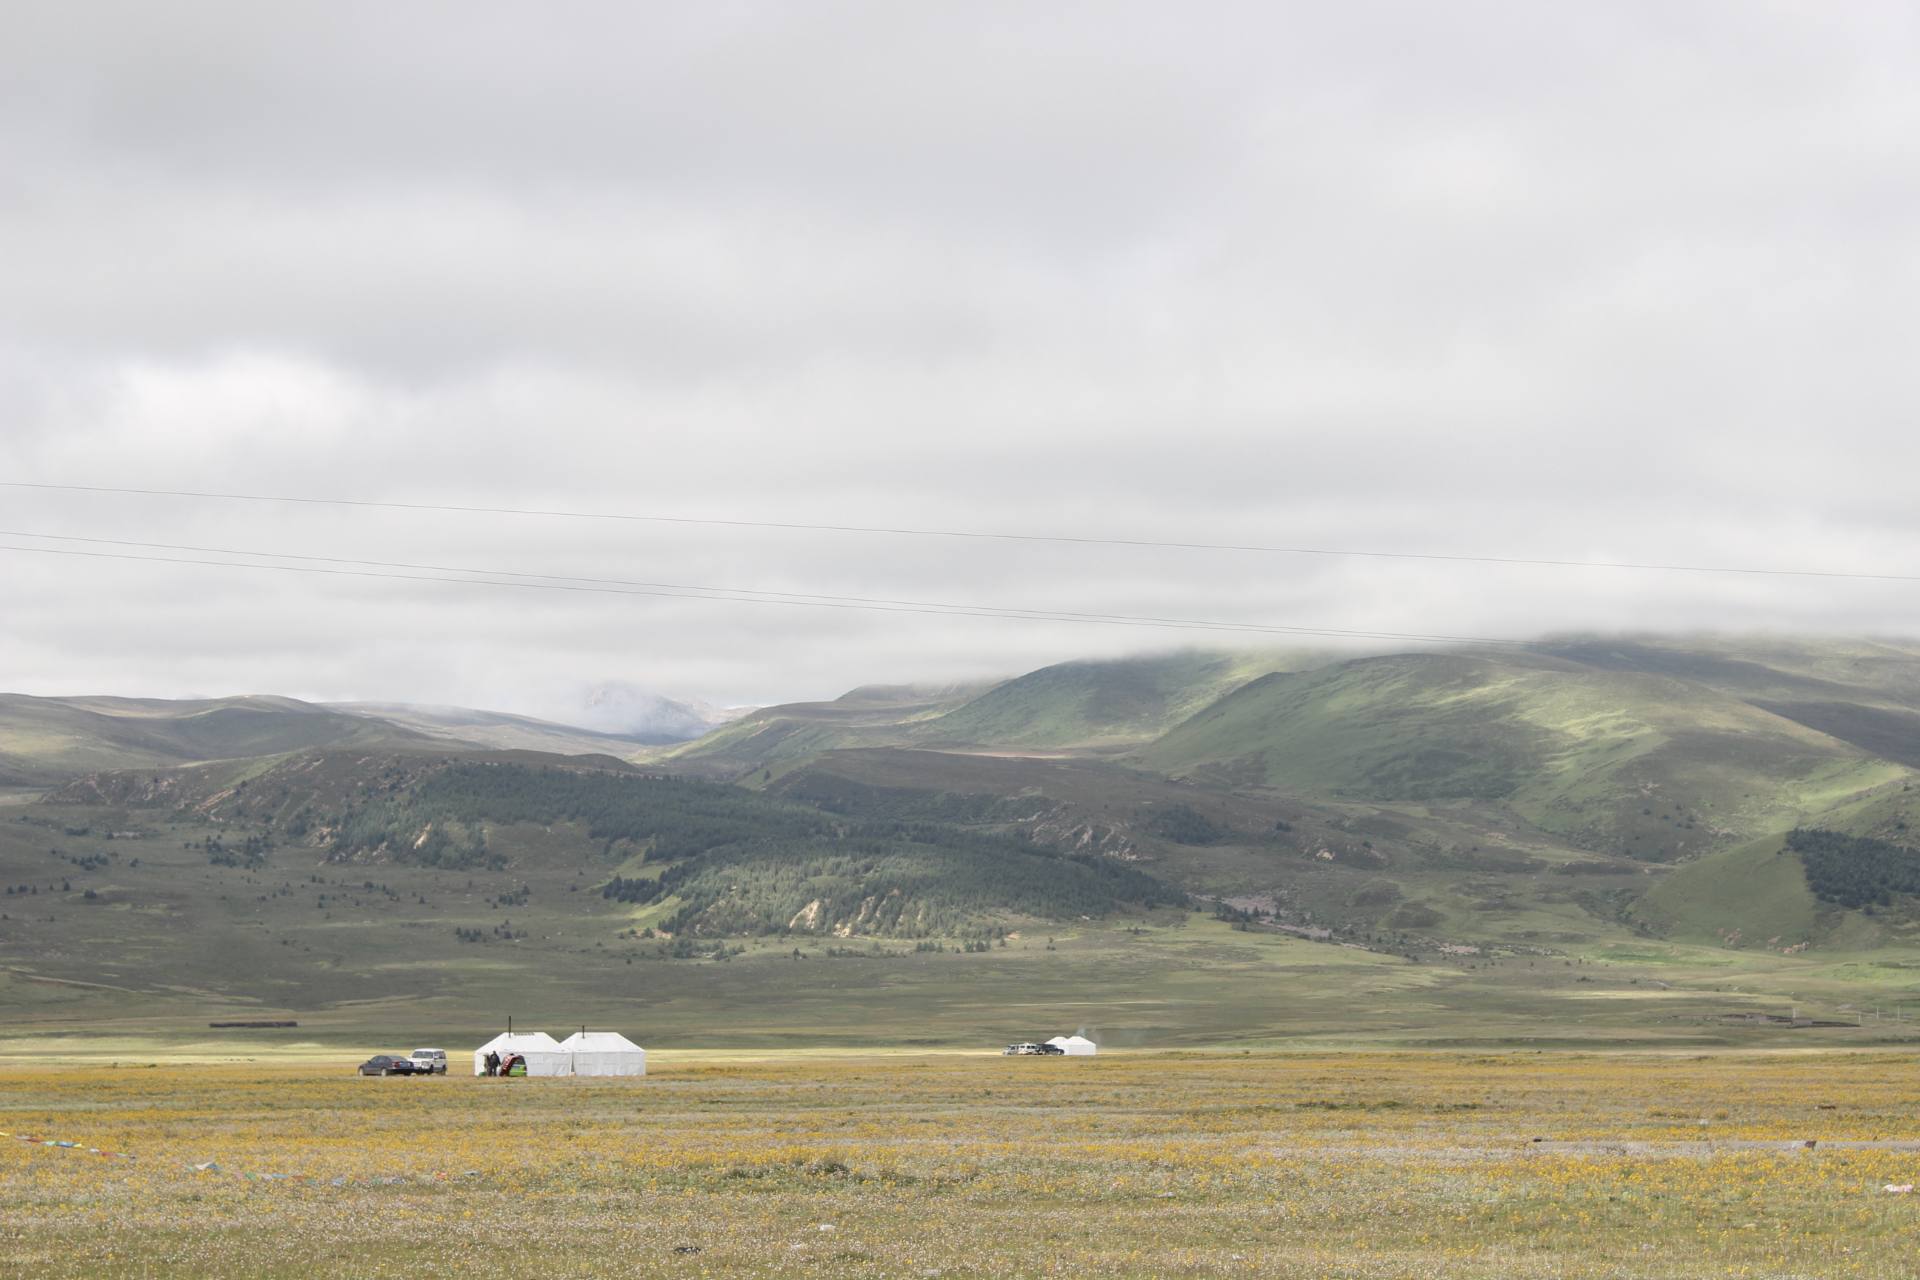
<point>1628,281</point>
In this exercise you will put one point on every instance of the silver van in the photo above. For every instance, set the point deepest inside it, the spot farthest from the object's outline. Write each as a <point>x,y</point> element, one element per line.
<point>429,1062</point>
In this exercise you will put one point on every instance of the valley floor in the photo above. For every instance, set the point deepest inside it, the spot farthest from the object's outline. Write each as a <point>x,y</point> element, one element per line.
<point>1131,1164</point>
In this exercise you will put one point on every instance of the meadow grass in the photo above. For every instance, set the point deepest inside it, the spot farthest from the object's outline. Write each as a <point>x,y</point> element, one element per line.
<point>1148,1164</point>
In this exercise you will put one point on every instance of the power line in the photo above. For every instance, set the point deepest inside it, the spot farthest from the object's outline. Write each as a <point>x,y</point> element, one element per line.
<point>606,587</point>
<point>944,606</point>
<point>686,591</point>
<point>985,535</point>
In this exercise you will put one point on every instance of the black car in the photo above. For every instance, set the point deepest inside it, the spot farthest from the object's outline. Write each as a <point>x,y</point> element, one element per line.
<point>385,1064</point>
<point>1051,1049</point>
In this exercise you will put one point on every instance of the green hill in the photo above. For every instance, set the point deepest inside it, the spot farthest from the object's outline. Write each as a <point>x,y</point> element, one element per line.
<point>1072,706</point>
<point>1119,702</point>
<point>1753,893</point>
<point>779,735</point>
<point>1647,765</point>
<point>1866,693</point>
<point>46,739</point>
<point>1479,837</point>
<point>1761,668</point>
<point>706,859</point>
<point>496,730</point>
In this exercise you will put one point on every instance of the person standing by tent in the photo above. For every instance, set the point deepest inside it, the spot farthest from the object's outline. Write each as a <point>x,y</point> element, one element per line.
<point>493,1063</point>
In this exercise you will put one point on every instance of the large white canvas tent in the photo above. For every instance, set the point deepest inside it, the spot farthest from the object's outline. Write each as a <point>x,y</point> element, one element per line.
<point>605,1053</point>
<point>543,1053</point>
<point>1074,1046</point>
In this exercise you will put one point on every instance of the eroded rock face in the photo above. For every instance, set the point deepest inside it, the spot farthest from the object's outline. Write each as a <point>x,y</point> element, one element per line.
<point>188,789</point>
<point>1063,830</point>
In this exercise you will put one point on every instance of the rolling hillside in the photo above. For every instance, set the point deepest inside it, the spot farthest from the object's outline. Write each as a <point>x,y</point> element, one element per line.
<point>1581,803</point>
<point>870,716</point>
<point>1117,703</point>
<point>1071,707</point>
<point>46,739</point>
<point>1646,765</point>
<point>701,859</point>
<point>1866,693</point>
<point>497,730</point>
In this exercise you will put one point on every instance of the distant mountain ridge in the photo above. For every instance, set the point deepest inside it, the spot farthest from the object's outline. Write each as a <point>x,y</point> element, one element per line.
<point>638,714</point>
<point>868,716</point>
<point>1105,703</point>
<point>45,740</point>
<point>500,730</point>
<point>1097,704</point>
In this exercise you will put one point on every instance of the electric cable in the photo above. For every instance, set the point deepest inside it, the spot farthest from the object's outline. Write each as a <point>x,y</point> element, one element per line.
<point>822,602</point>
<point>987,535</point>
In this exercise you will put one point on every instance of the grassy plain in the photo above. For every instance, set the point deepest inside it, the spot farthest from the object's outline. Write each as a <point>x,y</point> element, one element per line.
<point>1165,1164</point>
<point>1190,982</point>
<point>368,958</point>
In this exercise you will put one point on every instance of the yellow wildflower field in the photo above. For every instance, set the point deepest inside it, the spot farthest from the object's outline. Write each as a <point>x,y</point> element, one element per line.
<point>1174,1164</point>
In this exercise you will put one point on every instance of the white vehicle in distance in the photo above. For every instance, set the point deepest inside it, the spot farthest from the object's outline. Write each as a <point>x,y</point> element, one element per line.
<point>428,1062</point>
<point>1021,1050</point>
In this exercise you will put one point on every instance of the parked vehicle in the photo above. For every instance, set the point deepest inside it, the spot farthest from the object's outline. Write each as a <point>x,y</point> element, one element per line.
<point>1026,1048</point>
<point>385,1064</point>
<point>429,1062</point>
<point>1052,1049</point>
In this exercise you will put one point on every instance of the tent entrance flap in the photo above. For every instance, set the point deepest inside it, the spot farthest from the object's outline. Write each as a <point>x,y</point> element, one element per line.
<point>542,1052</point>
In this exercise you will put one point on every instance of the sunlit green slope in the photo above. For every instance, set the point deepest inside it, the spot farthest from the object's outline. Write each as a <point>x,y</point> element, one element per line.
<point>1094,704</point>
<point>51,738</point>
<point>1650,765</point>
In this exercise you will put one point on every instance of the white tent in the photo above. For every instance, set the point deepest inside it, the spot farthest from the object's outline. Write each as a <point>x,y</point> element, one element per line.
<point>543,1053</point>
<point>605,1053</point>
<point>1074,1046</point>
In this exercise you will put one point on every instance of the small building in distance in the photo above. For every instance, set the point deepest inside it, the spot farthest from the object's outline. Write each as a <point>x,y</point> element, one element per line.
<point>543,1053</point>
<point>604,1053</point>
<point>1074,1046</point>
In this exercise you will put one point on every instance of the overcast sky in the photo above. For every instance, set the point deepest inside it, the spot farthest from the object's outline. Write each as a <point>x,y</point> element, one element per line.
<point>1622,281</point>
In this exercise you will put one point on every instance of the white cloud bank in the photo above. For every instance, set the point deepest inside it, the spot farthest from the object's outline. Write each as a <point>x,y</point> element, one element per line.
<point>1630,281</point>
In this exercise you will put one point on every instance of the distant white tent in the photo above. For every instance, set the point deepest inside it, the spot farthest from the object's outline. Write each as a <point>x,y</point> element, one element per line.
<point>543,1053</point>
<point>1074,1046</point>
<point>604,1053</point>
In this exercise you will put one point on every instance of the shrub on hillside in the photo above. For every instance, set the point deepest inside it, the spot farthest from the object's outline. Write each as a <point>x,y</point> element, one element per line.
<point>1184,824</point>
<point>1855,871</point>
